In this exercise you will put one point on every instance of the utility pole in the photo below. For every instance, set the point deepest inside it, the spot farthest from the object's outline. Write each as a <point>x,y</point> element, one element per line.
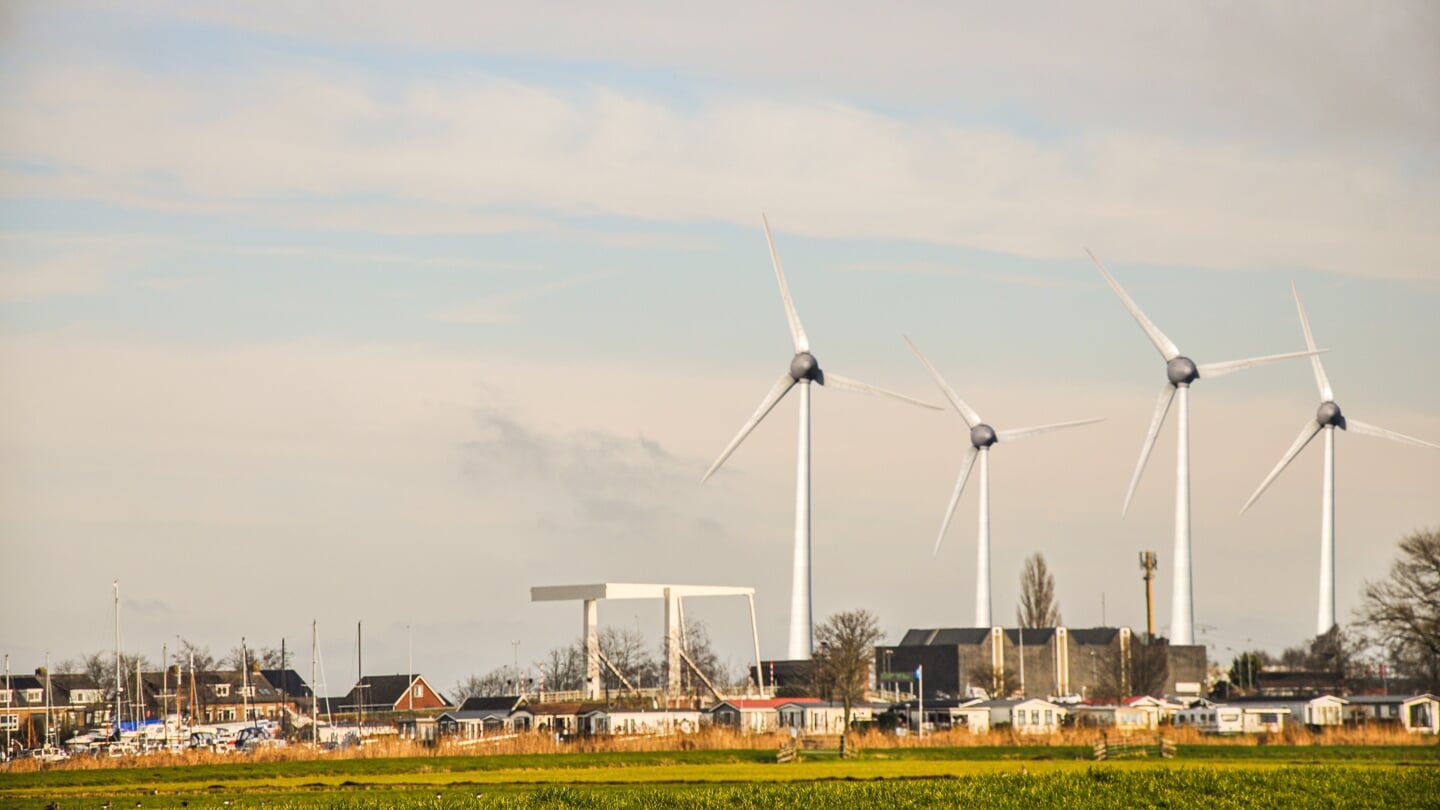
<point>1147,564</point>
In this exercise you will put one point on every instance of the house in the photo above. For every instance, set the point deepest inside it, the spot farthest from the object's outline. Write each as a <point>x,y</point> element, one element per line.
<point>23,710</point>
<point>948,713</point>
<point>751,715</point>
<point>623,721</point>
<point>1145,713</point>
<point>1325,711</point>
<point>383,694</point>
<point>1416,713</point>
<point>1248,717</point>
<point>480,718</point>
<point>289,682</point>
<point>1028,716</point>
<point>821,717</point>
<point>212,697</point>
<point>558,718</point>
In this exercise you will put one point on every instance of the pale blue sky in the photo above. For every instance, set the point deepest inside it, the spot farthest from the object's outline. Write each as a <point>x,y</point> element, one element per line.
<point>284,291</point>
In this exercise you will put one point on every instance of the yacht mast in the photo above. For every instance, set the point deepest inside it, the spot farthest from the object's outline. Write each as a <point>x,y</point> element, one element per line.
<point>314,710</point>
<point>49,722</point>
<point>244,684</point>
<point>119,679</point>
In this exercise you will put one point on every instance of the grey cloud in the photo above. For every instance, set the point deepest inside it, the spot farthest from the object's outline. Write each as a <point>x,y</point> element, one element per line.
<point>599,480</point>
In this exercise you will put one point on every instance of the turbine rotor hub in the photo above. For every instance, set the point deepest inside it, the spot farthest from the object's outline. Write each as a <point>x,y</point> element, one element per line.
<point>1328,414</point>
<point>982,435</point>
<point>1182,371</point>
<point>804,366</point>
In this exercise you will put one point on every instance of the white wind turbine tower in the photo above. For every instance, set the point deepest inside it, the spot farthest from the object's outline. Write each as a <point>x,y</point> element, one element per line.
<point>1327,418</point>
<point>1181,371</point>
<point>803,370</point>
<point>982,438</point>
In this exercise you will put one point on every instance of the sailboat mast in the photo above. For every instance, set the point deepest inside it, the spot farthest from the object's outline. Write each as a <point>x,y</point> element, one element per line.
<point>119,679</point>
<point>165,691</point>
<point>314,710</point>
<point>244,683</point>
<point>49,723</point>
<point>360,682</point>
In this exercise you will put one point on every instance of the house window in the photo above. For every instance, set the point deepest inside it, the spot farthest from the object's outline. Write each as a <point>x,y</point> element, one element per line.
<point>4,695</point>
<point>34,695</point>
<point>9,721</point>
<point>247,691</point>
<point>1034,717</point>
<point>222,690</point>
<point>1049,717</point>
<point>1020,718</point>
<point>419,691</point>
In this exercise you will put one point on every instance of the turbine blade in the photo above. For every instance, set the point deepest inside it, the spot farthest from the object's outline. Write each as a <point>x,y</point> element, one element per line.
<point>1220,369</point>
<point>827,379</point>
<point>1165,345</point>
<point>966,412</point>
<point>1321,381</point>
<point>1025,433</point>
<point>777,392</point>
<point>1306,434</point>
<point>1382,433</point>
<point>1162,407</point>
<point>971,453</point>
<point>797,332</point>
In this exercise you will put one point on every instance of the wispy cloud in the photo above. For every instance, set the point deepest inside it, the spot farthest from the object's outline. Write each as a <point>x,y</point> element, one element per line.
<point>945,269</point>
<point>828,169</point>
<point>501,306</point>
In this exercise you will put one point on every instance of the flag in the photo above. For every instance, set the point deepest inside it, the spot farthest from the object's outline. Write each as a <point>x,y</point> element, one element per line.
<point>917,671</point>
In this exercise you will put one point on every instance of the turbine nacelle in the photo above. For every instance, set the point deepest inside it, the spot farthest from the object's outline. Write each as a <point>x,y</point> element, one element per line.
<point>1182,371</point>
<point>982,436</point>
<point>1329,415</point>
<point>804,366</point>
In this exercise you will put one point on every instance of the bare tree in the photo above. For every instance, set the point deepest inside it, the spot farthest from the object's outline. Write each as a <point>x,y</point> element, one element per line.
<point>100,666</point>
<point>1140,669</point>
<point>701,650</point>
<point>254,657</point>
<point>1038,607</point>
<point>997,682</point>
<point>1401,614</point>
<point>843,659</point>
<point>498,682</point>
<point>565,668</point>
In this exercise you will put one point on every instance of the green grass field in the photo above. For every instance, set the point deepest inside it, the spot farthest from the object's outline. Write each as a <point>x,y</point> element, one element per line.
<point>1202,776</point>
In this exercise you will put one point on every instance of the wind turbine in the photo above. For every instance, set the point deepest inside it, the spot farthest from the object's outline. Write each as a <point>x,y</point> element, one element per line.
<point>982,438</point>
<point>1181,371</point>
<point>1327,418</point>
<point>804,369</point>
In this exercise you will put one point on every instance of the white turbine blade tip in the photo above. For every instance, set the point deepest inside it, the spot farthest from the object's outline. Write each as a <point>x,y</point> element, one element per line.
<point>1367,429</point>
<point>966,412</point>
<point>1306,434</point>
<point>1162,407</point>
<point>775,394</point>
<point>1220,369</point>
<point>1321,381</point>
<point>797,331</point>
<point>828,379</point>
<point>1025,433</point>
<point>1163,344</point>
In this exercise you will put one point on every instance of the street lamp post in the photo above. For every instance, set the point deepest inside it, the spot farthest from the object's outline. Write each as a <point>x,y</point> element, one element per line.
<point>519,688</point>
